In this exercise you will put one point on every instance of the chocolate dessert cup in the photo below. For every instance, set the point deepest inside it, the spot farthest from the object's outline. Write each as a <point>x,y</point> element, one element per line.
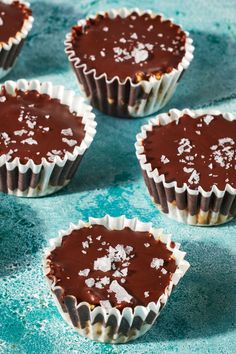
<point>188,163</point>
<point>111,277</point>
<point>128,62</point>
<point>16,21</point>
<point>45,131</point>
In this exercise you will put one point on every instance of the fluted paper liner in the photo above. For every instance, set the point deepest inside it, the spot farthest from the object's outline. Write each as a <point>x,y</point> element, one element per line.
<point>34,180</point>
<point>10,50</point>
<point>113,326</point>
<point>125,98</point>
<point>191,206</point>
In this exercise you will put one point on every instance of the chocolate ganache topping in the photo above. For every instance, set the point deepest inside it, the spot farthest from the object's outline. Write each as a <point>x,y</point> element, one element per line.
<point>138,46</point>
<point>12,17</point>
<point>112,268</point>
<point>198,152</point>
<point>33,126</point>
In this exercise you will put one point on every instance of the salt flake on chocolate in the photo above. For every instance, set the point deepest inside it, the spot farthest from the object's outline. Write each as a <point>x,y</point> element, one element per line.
<point>164,271</point>
<point>85,244</point>
<point>208,119</point>
<point>70,142</point>
<point>105,280</point>
<point>194,178</point>
<point>29,141</point>
<point>84,272</point>
<point>164,159</point>
<point>90,282</point>
<point>157,263</point>
<point>103,264</point>
<point>67,132</point>
<point>184,146</point>
<point>134,36</point>
<point>20,132</point>
<point>223,141</point>
<point>120,293</point>
<point>30,124</point>
<point>139,55</point>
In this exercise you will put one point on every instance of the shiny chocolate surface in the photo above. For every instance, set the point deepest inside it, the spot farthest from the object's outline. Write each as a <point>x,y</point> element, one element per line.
<point>138,46</point>
<point>198,152</point>
<point>112,268</point>
<point>35,126</point>
<point>12,17</point>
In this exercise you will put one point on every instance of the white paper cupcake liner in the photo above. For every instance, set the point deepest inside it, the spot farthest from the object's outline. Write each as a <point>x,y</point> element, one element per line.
<point>10,50</point>
<point>194,207</point>
<point>125,98</point>
<point>113,326</point>
<point>35,180</point>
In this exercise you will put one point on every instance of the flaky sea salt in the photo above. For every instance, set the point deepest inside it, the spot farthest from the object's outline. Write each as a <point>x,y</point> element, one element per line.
<point>157,263</point>
<point>140,55</point>
<point>134,36</point>
<point>105,280</point>
<point>30,124</point>
<point>120,293</point>
<point>84,272</point>
<point>29,141</point>
<point>20,132</point>
<point>208,119</point>
<point>184,146</point>
<point>90,282</point>
<point>67,132</point>
<point>164,159</point>
<point>194,178</point>
<point>103,264</point>
<point>85,244</point>
<point>70,142</point>
<point>147,244</point>
<point>164,271</point>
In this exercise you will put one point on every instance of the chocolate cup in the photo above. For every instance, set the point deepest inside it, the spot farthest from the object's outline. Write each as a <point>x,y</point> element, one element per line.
<point>126,99</point>
<point>31,180</point>
<point>10,50</point>
<point>113,326</point>
<point>193,207</point>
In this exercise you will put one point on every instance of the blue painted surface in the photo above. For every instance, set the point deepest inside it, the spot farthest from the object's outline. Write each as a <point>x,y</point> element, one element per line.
<point>201,314</point>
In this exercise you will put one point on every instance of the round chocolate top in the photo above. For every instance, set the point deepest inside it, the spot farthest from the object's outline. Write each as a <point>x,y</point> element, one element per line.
<point>135,46</point>
<point>198,152</point>
<point>12,17</point>
<point>33,126</point>
<point>112,268</point>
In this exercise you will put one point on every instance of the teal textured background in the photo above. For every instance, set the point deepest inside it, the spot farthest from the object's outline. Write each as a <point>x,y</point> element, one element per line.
<point>201,314</point>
